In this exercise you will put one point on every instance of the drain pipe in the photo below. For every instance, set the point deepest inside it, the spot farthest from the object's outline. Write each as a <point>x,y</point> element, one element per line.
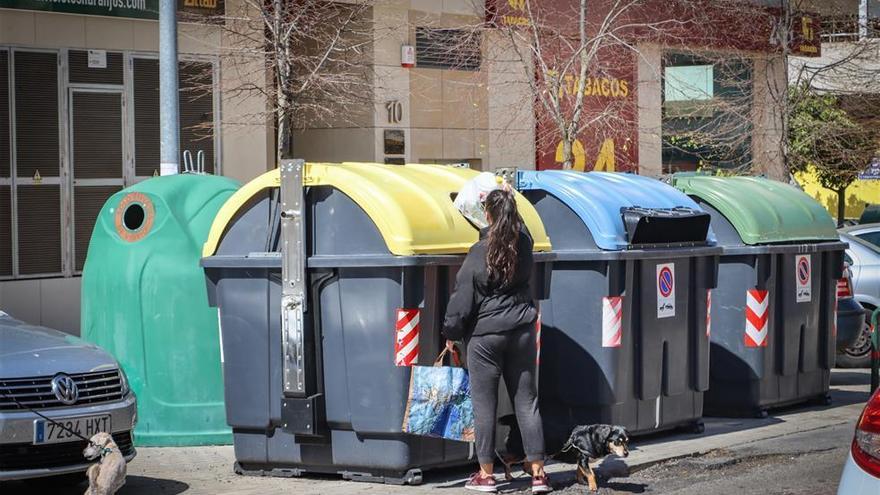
<point>169,111</point>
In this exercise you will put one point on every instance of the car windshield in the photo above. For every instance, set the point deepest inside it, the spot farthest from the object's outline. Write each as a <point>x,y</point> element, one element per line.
<point>870,237</point>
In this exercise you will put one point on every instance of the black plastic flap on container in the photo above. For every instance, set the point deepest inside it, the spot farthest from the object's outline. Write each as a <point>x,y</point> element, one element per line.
<point>678,226</point>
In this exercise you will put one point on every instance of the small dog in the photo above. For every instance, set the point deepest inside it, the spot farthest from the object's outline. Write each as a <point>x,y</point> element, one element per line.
<point>106,476</point>
<point>571,446</point>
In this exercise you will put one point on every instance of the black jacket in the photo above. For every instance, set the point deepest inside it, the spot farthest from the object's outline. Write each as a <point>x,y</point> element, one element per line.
<point>476,308</point>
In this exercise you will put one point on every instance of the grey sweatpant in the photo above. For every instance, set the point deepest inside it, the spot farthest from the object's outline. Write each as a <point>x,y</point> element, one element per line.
<point>511,355</point>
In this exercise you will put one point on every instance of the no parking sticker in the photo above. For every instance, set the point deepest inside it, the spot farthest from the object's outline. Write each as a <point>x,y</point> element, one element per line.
<point>665,290</point>
<point>803,271</point>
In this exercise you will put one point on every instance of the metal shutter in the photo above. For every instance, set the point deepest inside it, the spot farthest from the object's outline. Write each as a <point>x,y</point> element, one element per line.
<point>36,113</point>
<point>97,135</point>
<point>39,229</point>
<point>78,67</point>
<point>87,204</point>
<point>146,116</point>
<point>4,114</point>
<point>457,49</point>
<point>5,231</point>
<point>197,111</point>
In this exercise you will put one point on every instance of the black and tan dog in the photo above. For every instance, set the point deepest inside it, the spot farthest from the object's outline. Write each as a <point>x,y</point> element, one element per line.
<point>576,446</point>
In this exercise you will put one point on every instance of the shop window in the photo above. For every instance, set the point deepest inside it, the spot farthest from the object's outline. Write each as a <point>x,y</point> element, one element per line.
<point>688,83</point>
<point>457,49</point>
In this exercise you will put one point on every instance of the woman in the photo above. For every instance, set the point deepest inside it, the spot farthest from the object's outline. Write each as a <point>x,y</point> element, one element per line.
<point>492,306</point>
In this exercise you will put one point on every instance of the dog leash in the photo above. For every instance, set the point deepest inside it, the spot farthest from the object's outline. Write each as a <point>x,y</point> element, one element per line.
<point>104,450</point>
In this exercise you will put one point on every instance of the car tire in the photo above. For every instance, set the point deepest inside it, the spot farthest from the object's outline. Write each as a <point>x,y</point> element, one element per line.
<point>859,355</point>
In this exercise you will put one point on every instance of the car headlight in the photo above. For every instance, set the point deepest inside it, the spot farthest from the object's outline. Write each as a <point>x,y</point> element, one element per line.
<point>123,381</point>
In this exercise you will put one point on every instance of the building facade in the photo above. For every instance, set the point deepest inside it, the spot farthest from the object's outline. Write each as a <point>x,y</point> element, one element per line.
<point>79,116</point>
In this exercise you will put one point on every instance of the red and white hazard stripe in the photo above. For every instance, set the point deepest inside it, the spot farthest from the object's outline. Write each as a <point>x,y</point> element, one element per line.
<point>757,314</point>
<point>612,321</point>
<point>406,348</point>
<point>708,312</point>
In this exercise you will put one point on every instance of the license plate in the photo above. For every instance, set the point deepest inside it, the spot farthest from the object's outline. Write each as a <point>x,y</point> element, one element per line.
<point>50,432</point>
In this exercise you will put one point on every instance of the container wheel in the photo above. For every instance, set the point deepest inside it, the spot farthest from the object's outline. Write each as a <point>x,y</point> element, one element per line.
<point>698,427</point>
<point>761,413</point>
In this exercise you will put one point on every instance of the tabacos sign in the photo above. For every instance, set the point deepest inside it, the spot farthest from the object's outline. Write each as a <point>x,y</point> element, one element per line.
<point>608,138</point>
<point>134,9</point>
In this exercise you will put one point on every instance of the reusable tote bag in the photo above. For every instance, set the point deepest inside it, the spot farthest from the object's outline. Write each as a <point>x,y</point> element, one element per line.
<point>439,403</point>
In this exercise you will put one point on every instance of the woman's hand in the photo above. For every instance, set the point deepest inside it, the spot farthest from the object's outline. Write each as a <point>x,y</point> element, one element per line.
<point>450,345</point>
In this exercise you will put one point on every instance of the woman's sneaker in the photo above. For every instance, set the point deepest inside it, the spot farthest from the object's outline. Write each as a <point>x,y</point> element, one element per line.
<point>481,484</point>
<point>540,484</point>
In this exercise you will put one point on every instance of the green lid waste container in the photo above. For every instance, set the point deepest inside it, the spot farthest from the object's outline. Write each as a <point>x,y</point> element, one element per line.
<point>312,269</point>
<point>143,299</point>
<point>772,321</point>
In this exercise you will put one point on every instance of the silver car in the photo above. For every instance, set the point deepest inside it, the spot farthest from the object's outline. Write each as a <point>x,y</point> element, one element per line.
<point>69,381</point>
<point>863,255</point>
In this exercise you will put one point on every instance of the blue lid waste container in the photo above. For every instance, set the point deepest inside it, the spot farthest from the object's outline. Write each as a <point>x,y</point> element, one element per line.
<point>310,268</point>
<point>623,334</point>
<point>773,341</point>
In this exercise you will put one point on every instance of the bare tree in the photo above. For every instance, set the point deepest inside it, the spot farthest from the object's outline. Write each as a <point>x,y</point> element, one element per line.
<point>309,60</point>
<point>578,58</point>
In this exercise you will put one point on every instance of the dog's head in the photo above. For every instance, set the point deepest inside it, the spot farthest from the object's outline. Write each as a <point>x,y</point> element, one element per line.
<point>97,444</point>
<point>618,441</point>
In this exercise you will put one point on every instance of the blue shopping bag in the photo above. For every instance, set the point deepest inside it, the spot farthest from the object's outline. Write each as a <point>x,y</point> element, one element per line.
<point>439,403</point>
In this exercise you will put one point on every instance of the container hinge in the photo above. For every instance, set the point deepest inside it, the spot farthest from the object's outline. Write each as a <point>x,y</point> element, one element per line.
<point>293,295</point>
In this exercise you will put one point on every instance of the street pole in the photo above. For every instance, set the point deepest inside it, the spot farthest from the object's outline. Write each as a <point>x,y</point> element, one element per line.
<point>169,111</point>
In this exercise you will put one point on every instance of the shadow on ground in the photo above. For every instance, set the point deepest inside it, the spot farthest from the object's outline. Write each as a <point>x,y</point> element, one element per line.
<point>76,485</point>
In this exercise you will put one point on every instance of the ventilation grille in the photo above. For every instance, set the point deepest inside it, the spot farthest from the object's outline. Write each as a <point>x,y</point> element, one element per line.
<point>39,230</point>
<point>87,204</point>
<point>5,231</point>
<point>197,111</point>
<point>447,49</point>
<point>97,135</point>
<point>78,62</point>
<point>4,114</point>
<point>146,116</point>
<point>36,113</point>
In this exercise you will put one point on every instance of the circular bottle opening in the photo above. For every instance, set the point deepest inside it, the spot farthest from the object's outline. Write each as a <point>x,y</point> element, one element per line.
<point>133,217</point>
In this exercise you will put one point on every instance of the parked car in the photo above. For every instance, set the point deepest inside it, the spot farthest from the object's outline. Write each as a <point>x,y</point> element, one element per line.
<point>868,232</point>
<point>864,261</point>
<point>850,314</point>
<point>63,378</point>
<point>861,473</point>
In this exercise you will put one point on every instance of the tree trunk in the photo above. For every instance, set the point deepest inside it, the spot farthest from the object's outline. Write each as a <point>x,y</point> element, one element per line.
<point>841,205</point>
<point>567,156</point>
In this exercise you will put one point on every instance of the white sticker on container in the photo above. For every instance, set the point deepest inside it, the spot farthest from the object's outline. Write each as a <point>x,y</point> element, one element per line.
<point>665,290</point>
<point>803,285</point>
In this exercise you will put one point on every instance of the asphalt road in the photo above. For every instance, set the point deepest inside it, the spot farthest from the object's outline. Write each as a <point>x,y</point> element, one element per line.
<point>796,451</point>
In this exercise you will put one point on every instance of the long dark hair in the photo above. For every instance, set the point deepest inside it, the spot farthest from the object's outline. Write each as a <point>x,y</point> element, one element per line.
<point>503,236</point>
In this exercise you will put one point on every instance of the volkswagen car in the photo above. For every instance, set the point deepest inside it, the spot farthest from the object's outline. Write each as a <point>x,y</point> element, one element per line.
<point>55,388</point>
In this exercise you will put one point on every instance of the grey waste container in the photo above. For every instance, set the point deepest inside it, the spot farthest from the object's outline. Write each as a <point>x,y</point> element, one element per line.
<point>773,322</point>
<point>308,321</point>
<point>624,337</point>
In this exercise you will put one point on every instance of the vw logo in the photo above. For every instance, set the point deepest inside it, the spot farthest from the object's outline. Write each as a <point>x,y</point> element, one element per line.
<point>65,389</point>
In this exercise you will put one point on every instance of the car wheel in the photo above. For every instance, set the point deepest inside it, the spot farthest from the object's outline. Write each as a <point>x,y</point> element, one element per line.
<point>859,355</point>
